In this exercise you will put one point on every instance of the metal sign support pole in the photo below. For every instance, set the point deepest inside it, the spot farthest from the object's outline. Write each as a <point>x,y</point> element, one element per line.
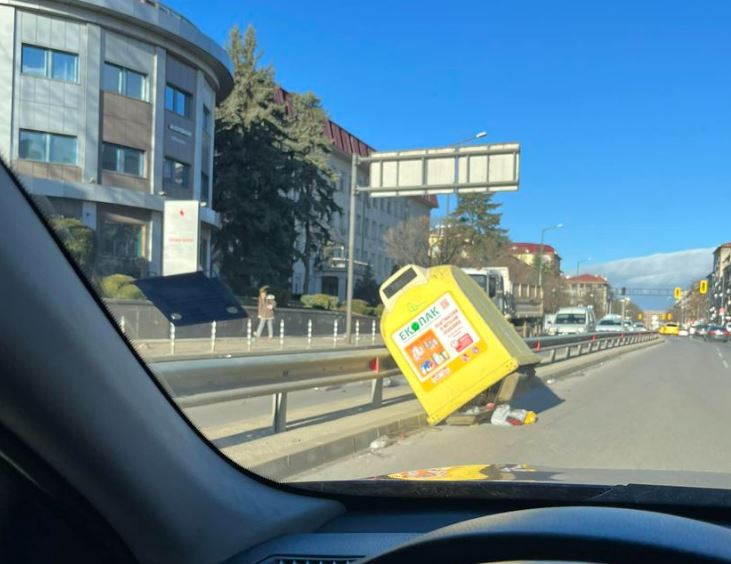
<point>351,247</point>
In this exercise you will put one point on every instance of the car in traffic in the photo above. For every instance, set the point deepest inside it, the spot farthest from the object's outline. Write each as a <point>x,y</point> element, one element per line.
<point>574,320</point>
<point>699,330</point>
<point>609,324</point>
<point>639,326</point>
<point>683,333</point>
<point>670,328</point>
<point>717,333</point>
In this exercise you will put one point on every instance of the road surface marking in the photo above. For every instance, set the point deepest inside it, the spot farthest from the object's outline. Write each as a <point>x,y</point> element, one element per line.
<point>719,353</point>
<point>725,364</point>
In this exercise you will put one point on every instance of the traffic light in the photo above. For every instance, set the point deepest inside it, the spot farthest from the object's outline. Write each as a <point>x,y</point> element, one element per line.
<point>703,287</point>
<point>678,293</point>
<point>639,317</point>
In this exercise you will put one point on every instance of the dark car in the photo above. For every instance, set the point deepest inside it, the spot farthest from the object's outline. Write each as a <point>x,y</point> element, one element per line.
<point>700,330</point>
<point>717,333</point>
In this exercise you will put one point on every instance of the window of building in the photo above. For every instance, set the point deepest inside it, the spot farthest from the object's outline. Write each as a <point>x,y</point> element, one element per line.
<point>330,285</point>
<point>207,124</point>
<point>49,63</point>
<point>47,147</point>
<point>126,160</point>
<point>124,81</point>
<point>205,188</point>
<point>175,173</point>
<point>121,237</point>
<point>177,101</point>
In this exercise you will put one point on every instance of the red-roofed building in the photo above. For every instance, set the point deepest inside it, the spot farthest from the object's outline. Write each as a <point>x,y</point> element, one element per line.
<point>588,289</point>
<point>373,217</point>
<point>528,253</point>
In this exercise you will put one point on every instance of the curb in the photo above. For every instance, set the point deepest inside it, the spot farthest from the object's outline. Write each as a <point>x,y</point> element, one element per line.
<point>336,445</point>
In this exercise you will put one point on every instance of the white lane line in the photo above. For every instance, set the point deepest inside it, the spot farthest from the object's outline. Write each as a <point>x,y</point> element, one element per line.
<point>725,364</point>
<point>719,353</point>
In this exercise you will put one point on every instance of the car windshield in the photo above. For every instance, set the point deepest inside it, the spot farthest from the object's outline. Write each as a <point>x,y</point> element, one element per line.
<point>281,206</point>
<point>570,318</point>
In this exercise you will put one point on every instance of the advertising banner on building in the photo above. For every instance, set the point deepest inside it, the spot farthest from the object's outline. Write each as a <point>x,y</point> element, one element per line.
<point>181,236</point>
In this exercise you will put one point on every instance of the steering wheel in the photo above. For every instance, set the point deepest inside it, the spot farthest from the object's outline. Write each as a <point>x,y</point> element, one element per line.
<point>589,534</point>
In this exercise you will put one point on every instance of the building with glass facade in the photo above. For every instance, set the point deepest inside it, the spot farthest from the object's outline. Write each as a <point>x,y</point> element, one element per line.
<point>106,112</point>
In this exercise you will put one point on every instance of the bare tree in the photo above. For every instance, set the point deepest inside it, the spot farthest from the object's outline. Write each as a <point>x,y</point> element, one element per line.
<point>408,242</point>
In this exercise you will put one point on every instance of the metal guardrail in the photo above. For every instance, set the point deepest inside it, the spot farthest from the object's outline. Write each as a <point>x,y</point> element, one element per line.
<point>577,345</point>
<point>215,380</point>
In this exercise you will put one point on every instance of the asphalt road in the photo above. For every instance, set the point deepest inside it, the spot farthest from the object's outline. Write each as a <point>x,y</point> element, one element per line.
<point>667,407</point>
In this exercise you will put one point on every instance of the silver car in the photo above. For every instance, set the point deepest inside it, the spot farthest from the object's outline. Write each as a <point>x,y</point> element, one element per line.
<point>610,325</point>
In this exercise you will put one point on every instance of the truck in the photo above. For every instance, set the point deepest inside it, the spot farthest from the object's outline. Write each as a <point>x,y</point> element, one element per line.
<point>521,304</point>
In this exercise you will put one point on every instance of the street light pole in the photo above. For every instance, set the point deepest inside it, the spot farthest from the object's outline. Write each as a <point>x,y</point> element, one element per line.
<point>579,263</point>
<point>540,252</point>
<point>351,246</point>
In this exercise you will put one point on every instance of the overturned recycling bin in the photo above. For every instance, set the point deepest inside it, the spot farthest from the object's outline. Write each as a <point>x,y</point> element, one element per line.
<point>447,337</point>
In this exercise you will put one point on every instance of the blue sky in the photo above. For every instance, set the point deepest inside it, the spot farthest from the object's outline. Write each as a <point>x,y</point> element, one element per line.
<point>622,108</point>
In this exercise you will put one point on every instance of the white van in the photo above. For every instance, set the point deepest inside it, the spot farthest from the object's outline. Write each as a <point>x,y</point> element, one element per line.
<point>573,320</point>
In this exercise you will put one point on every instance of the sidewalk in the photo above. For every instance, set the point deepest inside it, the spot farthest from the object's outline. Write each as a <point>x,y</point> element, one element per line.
<point>162,349</point>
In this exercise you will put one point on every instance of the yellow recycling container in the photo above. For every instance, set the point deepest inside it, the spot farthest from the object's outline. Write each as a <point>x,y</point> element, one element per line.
<point>447,337</point>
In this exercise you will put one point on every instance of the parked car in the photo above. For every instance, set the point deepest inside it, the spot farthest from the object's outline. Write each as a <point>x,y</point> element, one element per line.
<point>700,330</point>
<point>670,328</point>
<point>573,320</point>
<point>717,333</point>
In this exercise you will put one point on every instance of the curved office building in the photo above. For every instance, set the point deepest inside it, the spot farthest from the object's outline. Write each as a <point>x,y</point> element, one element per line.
<point>106,110</point>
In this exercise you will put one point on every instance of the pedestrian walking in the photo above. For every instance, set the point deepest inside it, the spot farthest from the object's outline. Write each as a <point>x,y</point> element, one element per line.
<point>266,306</point>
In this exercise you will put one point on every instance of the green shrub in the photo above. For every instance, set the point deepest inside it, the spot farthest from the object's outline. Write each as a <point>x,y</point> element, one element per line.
<point>112,283</point>
<point>130,292</point>
<point>378,310</point>
<point>319,301</point>
<point>362,307</point>
<point>79,240</point>
<point>120,286</point>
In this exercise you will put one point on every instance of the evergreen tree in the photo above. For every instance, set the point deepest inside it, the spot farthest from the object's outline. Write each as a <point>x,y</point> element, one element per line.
<point>313,179</point>
<point>253,177</point>
<point>478,225</point>
<point>367,288</point>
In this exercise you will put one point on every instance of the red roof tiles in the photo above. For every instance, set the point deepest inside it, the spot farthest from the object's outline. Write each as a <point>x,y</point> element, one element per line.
<point>523,248</point>
<point>587,278</point>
